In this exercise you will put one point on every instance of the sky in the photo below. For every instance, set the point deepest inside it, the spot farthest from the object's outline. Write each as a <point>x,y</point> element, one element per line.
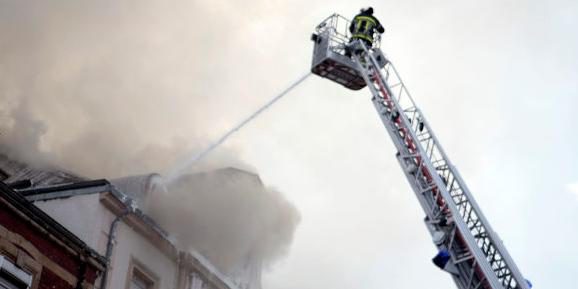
<point>150,81</point>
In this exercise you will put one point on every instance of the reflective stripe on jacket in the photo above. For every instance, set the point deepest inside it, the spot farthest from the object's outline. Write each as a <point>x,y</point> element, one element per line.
<point>364,27</point>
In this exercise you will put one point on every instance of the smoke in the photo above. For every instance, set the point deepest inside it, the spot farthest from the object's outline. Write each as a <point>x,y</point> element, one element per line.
<point>229,216</point>
<point>191,160</point>
<point>24,134</point>
<point>120,87</point>
<point>114,88</point>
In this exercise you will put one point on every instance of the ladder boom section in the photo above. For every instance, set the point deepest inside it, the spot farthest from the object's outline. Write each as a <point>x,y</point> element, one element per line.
<point>478,259</point>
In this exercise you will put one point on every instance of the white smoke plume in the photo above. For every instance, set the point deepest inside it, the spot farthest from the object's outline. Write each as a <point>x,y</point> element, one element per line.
<point>115,88</point>
<point>229,216</point>
<point>122,80</point>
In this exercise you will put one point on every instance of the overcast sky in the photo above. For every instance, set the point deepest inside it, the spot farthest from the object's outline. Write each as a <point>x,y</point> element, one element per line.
<point>496,79</point>
<point>498,82</point>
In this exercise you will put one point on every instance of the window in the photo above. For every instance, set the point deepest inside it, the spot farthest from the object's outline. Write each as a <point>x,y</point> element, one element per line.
<point>138,282</point>
<point>3,175</point>
<point>196,282</point>
<point>140,277</point>
<point>9,282</point>
<point>11,277</point>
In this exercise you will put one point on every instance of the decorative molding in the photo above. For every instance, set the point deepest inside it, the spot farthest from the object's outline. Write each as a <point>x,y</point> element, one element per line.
<point>137,223</point>
<point>29,257</point>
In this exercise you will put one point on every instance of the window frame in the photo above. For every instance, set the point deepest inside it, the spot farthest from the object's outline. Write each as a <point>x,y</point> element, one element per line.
<point>194,276</point>
<point>12,271</point>
<point>139,270</point>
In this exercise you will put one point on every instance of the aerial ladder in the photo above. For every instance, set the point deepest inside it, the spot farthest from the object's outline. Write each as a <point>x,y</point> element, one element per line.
<point>468,249</point>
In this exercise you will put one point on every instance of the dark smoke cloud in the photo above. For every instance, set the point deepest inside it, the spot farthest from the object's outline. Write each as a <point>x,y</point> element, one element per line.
<point>115,88</point>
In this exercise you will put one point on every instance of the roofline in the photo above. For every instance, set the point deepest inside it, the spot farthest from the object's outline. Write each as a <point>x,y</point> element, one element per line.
<point>101,186</point>
<point>139,222</point>
<point>66,190</point>
<point>47,223</point>
<point>64,187</point>
<point>118,203</point>
<point>114,200</point>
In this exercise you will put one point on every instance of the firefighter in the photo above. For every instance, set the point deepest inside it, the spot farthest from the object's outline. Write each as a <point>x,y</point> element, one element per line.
<point>364,26</point>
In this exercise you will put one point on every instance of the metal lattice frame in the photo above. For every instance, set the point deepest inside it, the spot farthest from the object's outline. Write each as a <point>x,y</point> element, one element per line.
<point>478,257</point>
<point>336,27</point>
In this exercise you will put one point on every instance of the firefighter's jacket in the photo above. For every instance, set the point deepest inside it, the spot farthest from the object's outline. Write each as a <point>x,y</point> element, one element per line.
<point>364,26</point>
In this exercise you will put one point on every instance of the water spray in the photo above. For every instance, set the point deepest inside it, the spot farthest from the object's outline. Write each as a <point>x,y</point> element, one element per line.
<point>181,167</point>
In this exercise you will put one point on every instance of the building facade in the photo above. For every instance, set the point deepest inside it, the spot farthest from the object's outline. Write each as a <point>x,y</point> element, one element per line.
<point>107,216</point>
<point>139,253</point>
<point>36,252</point>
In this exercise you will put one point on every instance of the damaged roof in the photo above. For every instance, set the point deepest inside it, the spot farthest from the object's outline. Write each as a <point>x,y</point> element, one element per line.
<point>13,171</point>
